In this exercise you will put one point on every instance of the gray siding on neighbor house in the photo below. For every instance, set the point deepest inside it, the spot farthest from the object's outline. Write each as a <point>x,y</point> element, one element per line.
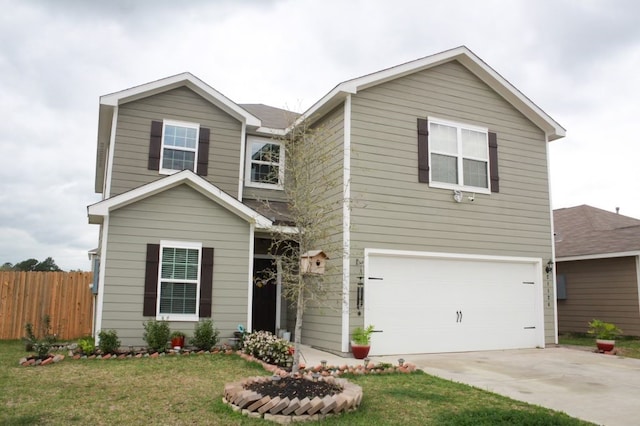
<point>178,214</point>
<point>133,133</point>
<point>604,289</point>
<point>392,210</point>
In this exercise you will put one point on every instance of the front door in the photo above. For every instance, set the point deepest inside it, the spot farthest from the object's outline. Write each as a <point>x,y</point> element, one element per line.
<point>264,295</point>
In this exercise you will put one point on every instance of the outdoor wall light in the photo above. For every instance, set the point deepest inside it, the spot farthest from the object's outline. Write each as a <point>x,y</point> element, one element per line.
<point>549,267</point>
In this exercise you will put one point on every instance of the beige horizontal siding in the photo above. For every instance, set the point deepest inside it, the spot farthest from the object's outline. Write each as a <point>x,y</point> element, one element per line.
<point>133,132</point>
<point>179,214</point>
<point>605,289</point>
<point>392,210</point>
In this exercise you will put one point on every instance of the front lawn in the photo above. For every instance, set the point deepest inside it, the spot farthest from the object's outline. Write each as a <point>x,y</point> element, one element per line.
<point>625,346</point>
<point>188,391</point>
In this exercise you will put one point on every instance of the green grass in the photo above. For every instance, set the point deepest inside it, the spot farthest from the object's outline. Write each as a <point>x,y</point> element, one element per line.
<point>625,346</point>
<point>188,391</point>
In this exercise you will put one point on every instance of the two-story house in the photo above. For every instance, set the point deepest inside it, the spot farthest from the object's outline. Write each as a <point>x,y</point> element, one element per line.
<point>447,247</point>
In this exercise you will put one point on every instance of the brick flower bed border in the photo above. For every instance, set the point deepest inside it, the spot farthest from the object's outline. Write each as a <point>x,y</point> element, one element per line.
<point>285,410</point>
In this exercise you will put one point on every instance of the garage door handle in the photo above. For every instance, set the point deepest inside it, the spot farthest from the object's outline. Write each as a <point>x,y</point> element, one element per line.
<point>374,278</point>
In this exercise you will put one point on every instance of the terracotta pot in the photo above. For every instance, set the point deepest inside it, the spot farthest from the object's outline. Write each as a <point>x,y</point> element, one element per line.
<point>177,342</point>
<point>360,351</point>
<point>605,345</point>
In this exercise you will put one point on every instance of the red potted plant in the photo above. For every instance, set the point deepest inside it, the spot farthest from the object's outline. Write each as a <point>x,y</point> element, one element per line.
<point>605,333</point>
<point>177,340</point>
<point>361,342</point>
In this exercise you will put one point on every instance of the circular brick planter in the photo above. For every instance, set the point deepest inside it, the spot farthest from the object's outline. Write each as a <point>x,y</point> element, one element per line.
<point>284,410</point>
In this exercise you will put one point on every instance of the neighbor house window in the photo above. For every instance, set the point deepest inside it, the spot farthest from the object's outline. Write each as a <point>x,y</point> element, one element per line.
<point>179,146</point>
<point>459,156</point>
<point>179,280</point>
<point>265,163</point>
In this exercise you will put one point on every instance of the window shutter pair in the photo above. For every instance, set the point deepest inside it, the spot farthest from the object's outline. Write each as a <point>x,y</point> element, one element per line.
<point>155,147</point>
<point>423,155</point>
<point>151,281</point>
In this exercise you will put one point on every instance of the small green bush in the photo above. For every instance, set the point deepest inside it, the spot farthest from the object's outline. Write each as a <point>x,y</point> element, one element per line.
<point>41,345</point>
<point>156,334</point>
<point>205,335</point>
<point>87,345</point>
<point>109,342</point>
<point>268,347</point>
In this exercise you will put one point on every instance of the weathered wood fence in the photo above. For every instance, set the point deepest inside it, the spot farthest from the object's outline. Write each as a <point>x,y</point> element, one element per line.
<point>26,297</point>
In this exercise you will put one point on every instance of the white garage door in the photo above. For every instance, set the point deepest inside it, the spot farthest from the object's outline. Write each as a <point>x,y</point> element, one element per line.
<point>428,303</point>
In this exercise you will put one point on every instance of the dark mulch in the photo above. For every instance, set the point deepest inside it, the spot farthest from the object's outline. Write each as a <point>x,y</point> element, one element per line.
<point>290,387</point>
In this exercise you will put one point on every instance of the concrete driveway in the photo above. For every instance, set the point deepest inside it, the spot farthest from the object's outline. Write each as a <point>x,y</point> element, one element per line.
<point>602,389</point>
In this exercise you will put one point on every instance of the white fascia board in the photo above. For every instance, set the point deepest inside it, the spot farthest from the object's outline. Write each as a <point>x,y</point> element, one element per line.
<point>465,57</point>
<point>280,229</point>
<point>598,256</point>
<point>440,255</point>
<point>271,131</point>
<point>185,79</point>
<point>102,209</point>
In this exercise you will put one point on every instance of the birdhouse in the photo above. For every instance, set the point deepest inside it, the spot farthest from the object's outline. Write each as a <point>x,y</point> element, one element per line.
<point>313,262</point>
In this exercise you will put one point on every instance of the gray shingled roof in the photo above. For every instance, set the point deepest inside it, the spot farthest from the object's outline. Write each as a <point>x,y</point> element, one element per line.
<point>272,117</point>
<point>586,230</point>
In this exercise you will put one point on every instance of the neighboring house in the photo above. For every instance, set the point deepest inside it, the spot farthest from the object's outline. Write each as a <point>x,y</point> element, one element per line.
<point>446,218</point>
<point>598,269</point>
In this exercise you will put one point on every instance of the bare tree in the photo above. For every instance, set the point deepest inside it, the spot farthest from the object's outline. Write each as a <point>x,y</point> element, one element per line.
<point>314,196</point>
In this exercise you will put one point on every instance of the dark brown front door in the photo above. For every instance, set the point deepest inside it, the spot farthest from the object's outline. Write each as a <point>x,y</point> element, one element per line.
<point>264,296</point>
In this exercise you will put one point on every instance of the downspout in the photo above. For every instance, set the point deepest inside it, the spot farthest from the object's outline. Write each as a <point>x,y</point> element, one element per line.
<point>553,247</point>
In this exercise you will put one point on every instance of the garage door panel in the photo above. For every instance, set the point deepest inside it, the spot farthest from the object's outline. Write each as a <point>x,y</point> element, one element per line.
<point>429,304</point>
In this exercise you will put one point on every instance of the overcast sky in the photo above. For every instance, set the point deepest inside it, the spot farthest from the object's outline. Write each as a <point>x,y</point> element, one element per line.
<point>578,60</point>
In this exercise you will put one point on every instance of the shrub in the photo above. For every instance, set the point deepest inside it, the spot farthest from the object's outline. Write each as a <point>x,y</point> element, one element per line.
<point>41,345</point>
<point>109,342</point>
<point>205,335</point>
<point>269,348</point>
<point>603,330</point>
<point>156,334</point>
<point>87,345</point>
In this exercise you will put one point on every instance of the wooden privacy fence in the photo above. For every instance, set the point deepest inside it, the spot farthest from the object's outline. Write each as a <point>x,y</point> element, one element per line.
<point>28,296</point>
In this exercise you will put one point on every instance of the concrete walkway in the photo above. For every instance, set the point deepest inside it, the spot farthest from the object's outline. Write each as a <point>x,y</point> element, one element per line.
<point>602,389</point>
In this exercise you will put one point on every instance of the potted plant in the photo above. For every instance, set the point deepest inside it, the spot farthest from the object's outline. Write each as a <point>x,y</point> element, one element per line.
<point>177,339</point>
<point>605,333</point>
<point>361,342</point>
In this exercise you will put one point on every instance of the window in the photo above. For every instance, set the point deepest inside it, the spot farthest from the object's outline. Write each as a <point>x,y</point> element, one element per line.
<point>179,280</point>
<point>176,146</point>
<point>179,146</point>
<point>459,155</point>
<point>265,163</point>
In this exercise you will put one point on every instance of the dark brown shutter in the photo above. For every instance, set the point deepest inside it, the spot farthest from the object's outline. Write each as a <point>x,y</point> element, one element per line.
<point>423,150</point>
<point>155,145</point>
<point>493,160</point>
<point>206,282</point>
<point>203,152</point>
<point>151,280</point>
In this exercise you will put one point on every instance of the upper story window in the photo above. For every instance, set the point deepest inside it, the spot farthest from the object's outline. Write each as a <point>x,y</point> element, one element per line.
<point>265,163</point>
<point>458,156</point>
<point>179,281</point>
<point>179,146</point>
<point>176,145</point>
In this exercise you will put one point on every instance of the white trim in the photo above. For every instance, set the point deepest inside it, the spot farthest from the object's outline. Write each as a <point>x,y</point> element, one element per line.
<point>346,223</point>
<point>100,210</point>
<point>553,247</point>
<point>598,256</point>
<point>191,245</point>
<point>460,157</point>
<point>106,193</point>
<point>179,80</point>
<point>638,279</point>
<point>468,59</point>
<point>103,263</point>
<point>182,124</point>
<point>249,326</point>
<point>243,144</point>
<point>247,169</point>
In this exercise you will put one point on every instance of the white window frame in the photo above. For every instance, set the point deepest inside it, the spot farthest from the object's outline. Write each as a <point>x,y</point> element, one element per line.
<point>248,161</point>
<point>179,317</point>
<point>459,158</point>
<point>185,124</point>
